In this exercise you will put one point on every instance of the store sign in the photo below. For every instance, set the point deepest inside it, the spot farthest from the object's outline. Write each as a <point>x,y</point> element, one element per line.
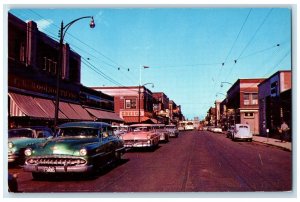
<point>39,87</point>
<point>132,113</point>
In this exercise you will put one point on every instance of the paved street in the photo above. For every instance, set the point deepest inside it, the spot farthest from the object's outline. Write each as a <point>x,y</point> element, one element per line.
<point>196,161</point>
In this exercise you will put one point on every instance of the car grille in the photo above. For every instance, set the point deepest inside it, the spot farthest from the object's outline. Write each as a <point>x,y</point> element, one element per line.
<point>56,161</point>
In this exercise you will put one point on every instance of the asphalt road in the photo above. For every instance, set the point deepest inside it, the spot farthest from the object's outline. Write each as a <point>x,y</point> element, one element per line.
<point>196,161</point>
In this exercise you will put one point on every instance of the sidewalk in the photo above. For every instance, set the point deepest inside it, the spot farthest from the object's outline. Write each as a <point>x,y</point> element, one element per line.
<point>274,142</point>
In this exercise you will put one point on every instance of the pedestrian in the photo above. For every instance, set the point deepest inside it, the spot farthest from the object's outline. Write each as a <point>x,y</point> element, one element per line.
<point>283,131</point>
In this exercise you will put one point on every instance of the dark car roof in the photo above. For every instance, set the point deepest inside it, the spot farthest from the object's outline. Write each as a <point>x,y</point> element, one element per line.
<point>84,124</point>
<point>32,128</point>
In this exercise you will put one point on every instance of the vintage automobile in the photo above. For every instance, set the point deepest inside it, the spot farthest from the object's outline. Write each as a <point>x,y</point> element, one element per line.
<point>21,138</point>
<point>78,147</point>
<point>141,135</point>
<point>164,135</point>
<point>172,130</point>
<point>242,132</point>
<point>120,129</point>
<point>216,130</point>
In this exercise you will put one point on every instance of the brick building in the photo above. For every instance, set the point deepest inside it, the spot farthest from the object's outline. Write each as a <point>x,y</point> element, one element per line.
<point>129,104</point>
<point>32,72</point>
<point>242,102</point>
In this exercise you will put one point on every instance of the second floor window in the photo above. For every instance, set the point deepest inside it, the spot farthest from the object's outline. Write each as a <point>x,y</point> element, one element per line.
<point>130,104</point>
<point>250,99</point>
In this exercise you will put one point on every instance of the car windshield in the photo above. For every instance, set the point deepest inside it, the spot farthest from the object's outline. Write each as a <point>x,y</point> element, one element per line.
<point>170,127</point>
<point>78,132</point>
<point>243,126</point>
<point>141,129</point>
<point>20,133</point>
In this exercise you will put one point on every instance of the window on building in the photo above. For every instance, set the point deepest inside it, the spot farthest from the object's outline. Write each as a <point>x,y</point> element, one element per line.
<point>130,104</point>
<point>254,98</point>
<point>249,115</point>
<point>246,98</point>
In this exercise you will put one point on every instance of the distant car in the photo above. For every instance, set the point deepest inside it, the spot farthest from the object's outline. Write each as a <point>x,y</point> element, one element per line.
<point>78,147</point>
<point>242,132</point>
<point>172,130</point>
<point>120,130</point>
<point>217,130</point>
<point>141,135</point>
<point>164,134</point>
<point>21,138</point>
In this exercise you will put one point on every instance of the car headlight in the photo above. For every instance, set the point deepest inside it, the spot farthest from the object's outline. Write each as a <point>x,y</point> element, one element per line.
<point>82,152</point>
<point>10,145</point>
<point>28,152</point>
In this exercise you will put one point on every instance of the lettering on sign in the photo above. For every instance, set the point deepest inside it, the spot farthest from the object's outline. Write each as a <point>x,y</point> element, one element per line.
<point>132,113</point>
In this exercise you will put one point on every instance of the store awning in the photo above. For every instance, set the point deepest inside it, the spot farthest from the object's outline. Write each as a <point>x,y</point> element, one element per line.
<point>104,115</point>
<point>135,119</point>
<point>81,111</point>
<point>24,105</point>
<point>49,107</point>
<point>70,113</point>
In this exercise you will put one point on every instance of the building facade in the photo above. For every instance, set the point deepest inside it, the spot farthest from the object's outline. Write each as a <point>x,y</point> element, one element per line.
<point>33,65</point>
<point>133,103</point>
<point>242,103</point>
<point>274,96</point>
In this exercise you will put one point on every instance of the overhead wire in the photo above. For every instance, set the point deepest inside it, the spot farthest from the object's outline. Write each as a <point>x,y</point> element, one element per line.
<point>116,66</point>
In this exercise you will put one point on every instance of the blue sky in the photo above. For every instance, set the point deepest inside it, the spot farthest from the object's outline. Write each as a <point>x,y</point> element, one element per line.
<point>184,47</point>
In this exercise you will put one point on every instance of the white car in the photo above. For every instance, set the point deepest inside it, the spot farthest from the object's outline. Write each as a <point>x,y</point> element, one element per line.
<point>242,132</point>
<point>217,130</point>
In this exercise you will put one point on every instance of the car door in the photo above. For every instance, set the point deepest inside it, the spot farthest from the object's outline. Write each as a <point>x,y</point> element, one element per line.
<point>107,144</point>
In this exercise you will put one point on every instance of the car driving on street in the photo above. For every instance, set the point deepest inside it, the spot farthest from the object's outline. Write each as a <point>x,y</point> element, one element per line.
<point>78,147</point>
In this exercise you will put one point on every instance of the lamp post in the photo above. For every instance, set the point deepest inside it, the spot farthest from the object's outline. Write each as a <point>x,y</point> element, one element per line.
<point>225,82</point>
<point>63,30</point>
<point>140,99</point>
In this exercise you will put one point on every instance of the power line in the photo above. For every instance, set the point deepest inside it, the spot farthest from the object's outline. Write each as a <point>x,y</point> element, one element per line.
<point>237,37</point>
<point>256,31</point>
<point>117,66</point>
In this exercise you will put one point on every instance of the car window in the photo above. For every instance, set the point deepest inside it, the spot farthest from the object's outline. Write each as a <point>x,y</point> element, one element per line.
<point>20,133</point>
<point>78,132</point>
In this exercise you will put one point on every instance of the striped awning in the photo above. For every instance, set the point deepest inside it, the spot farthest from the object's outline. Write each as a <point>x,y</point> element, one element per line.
<point>104,115</point>
<point>24,105</point>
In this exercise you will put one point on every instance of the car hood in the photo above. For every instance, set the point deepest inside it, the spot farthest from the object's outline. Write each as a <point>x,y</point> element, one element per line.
<point>65,146</point>
<point>24,141</point>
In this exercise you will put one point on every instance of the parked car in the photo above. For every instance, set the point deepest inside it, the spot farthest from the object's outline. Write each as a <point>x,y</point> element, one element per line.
<point>242,132</point>
<point>172,130</point>
<point>120,130</point>
<point>78,147</point>
<point>21,138</point>
<point>141,135</point>
<point>164,134</point>
<point>217,130</point>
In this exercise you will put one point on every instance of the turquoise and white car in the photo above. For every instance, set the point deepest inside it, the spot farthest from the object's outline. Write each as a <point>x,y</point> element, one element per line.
<point>21,138</point>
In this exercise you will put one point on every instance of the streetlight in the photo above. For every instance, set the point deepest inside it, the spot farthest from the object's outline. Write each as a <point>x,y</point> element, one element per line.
<point>63,30</point>
<point>225,82</point>
<point>140,99</point>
